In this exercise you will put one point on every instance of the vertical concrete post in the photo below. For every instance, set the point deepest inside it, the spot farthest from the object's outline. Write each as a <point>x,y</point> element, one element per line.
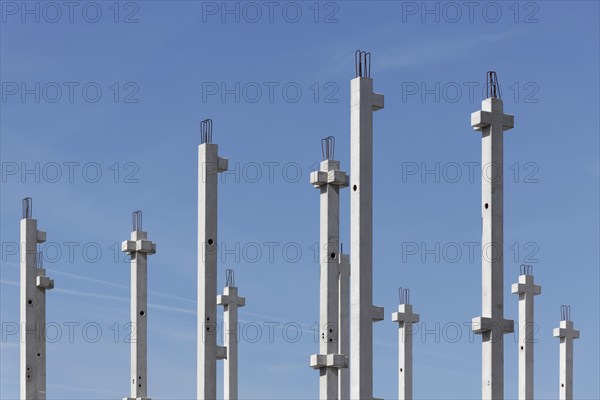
<point>209,165</point>
<point>139,247</point>
<point>363,103</point>
<point>492,122</point>
<point>230,302</point>
<point>33,286</point>
<point>405,318</point>
<point>526,289</point>
<point>329,179</point>
<point>566,333</point>
<point>344,324</point>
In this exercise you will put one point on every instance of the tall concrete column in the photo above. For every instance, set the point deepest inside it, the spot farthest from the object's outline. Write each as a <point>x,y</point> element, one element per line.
<point>209,165</point>
<point>344,324</point>
<point>33,286</point>
<point>329,179</point>
<point>139,247</point>
<point>526,289</point>
<point>230,302</point>
<point>566,333</point>
<point>363,103</point>
<point>492,122</point>
<point>405,318</point>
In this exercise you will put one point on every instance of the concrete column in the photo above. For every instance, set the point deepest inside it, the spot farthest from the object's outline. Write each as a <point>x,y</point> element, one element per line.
<point>492,122</point>
<point>566,333</point>
<point>329,179</point>
<point>33,286</point>
<point>209,165</point>
<point>363,103</point>
<point>344,325</point>
<point>139,247</point>
<point>405,318</point>
<point>526,289</point>
<point>231,301</point>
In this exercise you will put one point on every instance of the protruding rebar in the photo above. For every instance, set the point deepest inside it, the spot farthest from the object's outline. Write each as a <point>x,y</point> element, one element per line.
<point>526,269</point>
<point>229,278</point>
<point>492,87</point>
<point>27,207</point>
<point>39,259</point>
<point>328,147</point>
<point>404,295</point>
<point>362,63</point>
<point>206,131</point>
<point>136,217</point>
<point>565,312</point>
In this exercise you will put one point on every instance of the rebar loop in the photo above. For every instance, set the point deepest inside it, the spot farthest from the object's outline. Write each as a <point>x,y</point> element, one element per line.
<point>404,295</point>
<point>526,269</point>
<point>39,259</point>
<point>565,312</point>
<point>362,64</point>
<point>27,207</point>
<point>229,277</point>
<point>492,87</point>
<point>136,217</point>
<point>206,131</point>
<point>328,147</point>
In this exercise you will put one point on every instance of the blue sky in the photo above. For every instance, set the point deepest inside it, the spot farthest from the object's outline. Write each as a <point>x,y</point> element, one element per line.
<point>107,100</point>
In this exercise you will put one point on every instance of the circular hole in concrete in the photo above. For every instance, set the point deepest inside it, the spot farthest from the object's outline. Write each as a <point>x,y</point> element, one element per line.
<point>486,206</point>
<point>29,301</point>
<point>400,369</point>
<point>210,242</point>
<point>332,255</point>
<point>38,354</point>
<point>521,347</point>
<point>354,188</point>
<point>562,385</point>
<point>142,313</point>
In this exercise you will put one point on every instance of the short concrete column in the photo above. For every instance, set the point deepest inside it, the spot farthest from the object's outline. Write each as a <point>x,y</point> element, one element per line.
<point>526,289</point>
<point>230,302</point>
<point>33,286</point>
<point>492,122</point>
<point>566,333</point>
<point>405,318</point>
<point>139,247</point>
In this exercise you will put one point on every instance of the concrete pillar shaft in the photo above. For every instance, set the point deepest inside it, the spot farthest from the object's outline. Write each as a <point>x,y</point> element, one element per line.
<point>405,318</point>
<point>231,302</point>
<point>566,333</point>
<point>363,103</point>
<point>492,122</point>
<point>209,165</point>
<point>207,271</point>
<point>526,289</point>
<point>33,286</point>
<point>344,326</point>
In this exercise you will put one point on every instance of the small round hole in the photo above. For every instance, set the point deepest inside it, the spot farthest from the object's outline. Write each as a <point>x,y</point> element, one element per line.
<point>38,354</point>
<point>400,369</point>
<point>486,206</point>
<point>331,340</point>
<point>521,347</point>
<point>332,255</point>
<point>29,301</point>
<point>354,188</point>
<point>208,318</point>
<point>210,242</point>
<point>142,313</point>
<point>207,328</point>
<point>562,385</point>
